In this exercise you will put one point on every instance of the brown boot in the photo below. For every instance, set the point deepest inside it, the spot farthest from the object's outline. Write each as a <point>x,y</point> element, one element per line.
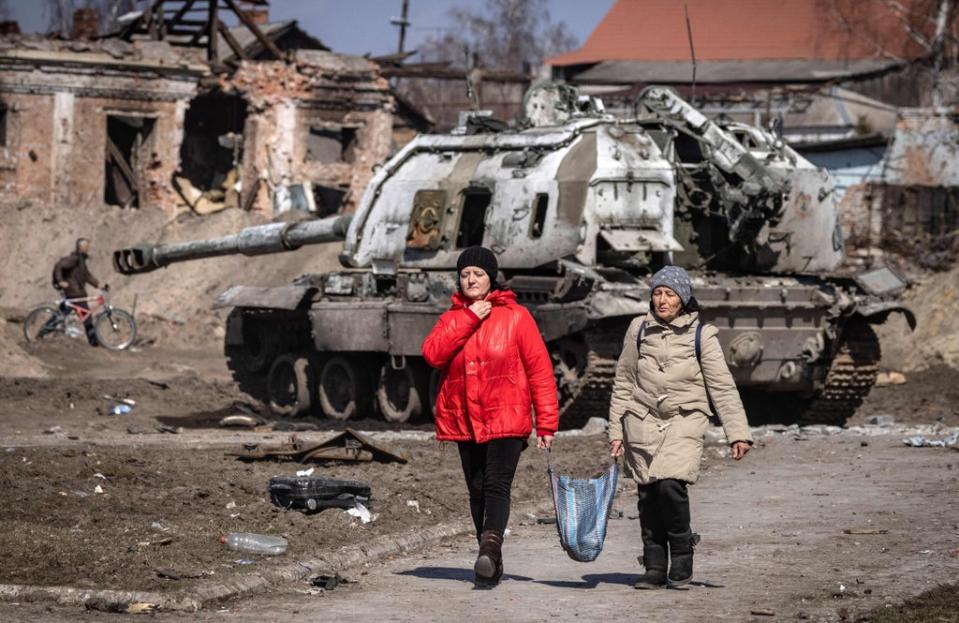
<point>489,563</point>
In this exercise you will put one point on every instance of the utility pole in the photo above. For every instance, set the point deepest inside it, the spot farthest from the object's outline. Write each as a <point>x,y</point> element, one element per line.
<point>403,22</point>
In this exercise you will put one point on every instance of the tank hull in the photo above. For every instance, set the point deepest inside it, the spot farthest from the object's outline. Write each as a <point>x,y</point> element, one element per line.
<point>781,337</point>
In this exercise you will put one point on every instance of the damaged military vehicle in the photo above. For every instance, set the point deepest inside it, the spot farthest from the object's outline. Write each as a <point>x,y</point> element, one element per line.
<point>580,208</point>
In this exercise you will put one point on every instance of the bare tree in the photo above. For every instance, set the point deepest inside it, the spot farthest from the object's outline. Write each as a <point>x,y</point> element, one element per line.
<point>59,16</point>
<point>509,34</point>
<point>515,35</point>
<point>928,25</point>
<point>59,13</point>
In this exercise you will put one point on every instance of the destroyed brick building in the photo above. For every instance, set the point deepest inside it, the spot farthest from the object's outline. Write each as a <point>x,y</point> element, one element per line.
<point>264,118</point>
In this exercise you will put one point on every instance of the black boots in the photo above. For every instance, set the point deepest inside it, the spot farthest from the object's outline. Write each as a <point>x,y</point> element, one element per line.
<point>681,558</point>
<point>489,563</point>
<point>664,520</point>
<point>654,559</point>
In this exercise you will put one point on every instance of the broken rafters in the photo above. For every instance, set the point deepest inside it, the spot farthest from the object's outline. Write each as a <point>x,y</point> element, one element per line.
<point>263,39</point>
<point>168,18</point>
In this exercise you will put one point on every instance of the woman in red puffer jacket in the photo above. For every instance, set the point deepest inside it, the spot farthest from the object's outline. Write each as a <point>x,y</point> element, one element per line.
<point>495,369</point>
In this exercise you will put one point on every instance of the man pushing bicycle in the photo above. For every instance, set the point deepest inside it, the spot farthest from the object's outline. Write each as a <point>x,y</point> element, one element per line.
<point>71,275</point>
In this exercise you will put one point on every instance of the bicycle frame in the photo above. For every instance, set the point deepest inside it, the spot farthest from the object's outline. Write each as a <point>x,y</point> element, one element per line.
<point>81,312</point>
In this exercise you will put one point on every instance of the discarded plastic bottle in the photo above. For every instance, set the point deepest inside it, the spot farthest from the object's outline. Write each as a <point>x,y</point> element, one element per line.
<point>255,543</point>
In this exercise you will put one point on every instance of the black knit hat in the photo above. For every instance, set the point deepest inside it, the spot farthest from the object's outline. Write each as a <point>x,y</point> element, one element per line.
<point>480,257</point>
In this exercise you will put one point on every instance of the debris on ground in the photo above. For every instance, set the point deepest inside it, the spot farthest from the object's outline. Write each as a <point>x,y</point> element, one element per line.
<point>920,441</point>
<point>155,430</point>
<point>251,543</point>
<point>314,494</point>
<point>328,582</point>
<point>890,378</point>
<point>242,421</point>
<point>865,531</point>
<point>349,445</point>
<point>880,420</point>
<point>141,607</point>
<point>361,512</point>
<point>762,612</point>
<point>121,409</point>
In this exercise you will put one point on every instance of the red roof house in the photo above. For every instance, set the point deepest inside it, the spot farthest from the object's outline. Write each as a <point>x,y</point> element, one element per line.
<point>748,41</point>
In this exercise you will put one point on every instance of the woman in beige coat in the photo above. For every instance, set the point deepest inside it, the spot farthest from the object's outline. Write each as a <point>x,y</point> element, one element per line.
<point>658,417</point>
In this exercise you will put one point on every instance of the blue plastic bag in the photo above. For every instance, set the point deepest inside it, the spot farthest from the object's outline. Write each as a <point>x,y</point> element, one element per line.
<point>582,510</point>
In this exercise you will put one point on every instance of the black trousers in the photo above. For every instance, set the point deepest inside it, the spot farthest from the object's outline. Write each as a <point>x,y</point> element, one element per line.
<point>87,324</point>
<point>489,469</point>
<point>664,520</point>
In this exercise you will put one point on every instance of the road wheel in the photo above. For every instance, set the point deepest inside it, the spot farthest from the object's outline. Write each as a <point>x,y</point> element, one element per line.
<point>398,393</point>
<point>115,329</point>
<point>260,345</point>
<point>343,388</point>
<point>289,385</point>
<point>42,323</point>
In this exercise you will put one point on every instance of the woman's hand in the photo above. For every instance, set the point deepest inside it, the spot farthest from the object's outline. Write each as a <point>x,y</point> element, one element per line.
<point>616,448</point>
<point>545,442</point>
<point>481,309</point>
<point>740,448</point>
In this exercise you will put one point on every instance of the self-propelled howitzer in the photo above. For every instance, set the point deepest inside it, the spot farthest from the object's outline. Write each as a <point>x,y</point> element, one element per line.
<point>580,208</point>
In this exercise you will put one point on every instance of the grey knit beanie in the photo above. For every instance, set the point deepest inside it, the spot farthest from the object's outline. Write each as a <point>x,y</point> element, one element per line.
<point>676,279</point>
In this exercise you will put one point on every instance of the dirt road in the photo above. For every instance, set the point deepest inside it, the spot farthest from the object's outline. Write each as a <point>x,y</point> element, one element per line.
<point>773,531</point>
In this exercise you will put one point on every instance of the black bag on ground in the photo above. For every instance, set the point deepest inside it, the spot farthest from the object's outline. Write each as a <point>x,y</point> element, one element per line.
<point>314,494</point>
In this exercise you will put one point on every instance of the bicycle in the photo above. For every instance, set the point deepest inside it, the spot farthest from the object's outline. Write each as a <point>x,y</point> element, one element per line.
<point>115,328</point>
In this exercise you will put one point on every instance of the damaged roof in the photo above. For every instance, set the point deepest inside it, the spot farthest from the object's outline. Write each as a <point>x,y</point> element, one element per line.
<point>287,35</point>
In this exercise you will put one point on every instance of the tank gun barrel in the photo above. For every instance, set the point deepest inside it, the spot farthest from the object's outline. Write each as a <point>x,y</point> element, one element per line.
<point>257,240</point>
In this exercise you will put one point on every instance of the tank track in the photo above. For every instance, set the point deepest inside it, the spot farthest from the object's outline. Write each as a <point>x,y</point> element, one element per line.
<point>592,399</point>
<point>850,377</point>
<point>596,383</point>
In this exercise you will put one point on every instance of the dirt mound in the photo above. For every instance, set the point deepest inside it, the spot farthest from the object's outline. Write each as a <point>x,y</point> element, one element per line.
<point>14,361</point>
<point>174,304</point>
<point>935,301</point>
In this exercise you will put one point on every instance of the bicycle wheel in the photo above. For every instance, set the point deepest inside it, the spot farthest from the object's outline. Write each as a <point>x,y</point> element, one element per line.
<point>115,329</point>
<point>43,323</point>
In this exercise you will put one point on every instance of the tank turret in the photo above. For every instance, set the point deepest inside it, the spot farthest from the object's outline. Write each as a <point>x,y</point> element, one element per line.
<point>580,208</point>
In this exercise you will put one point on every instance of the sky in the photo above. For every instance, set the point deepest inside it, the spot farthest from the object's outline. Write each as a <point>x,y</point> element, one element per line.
<point>361,26</point>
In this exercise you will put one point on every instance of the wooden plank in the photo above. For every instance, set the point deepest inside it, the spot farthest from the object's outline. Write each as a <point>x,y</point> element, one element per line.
<point>230,40</point>
<point>122,164</point>
<point>183,11</point>
<point>269,45</point>
<point>212,53</point>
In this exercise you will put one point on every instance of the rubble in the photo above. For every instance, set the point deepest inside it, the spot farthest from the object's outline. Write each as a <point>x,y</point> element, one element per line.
<point>177,135</point>
<point>350,445</point>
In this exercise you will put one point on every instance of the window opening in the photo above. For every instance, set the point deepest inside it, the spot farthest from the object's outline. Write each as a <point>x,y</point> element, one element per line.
<point>473,218</point>
<point>126,155</point>
<point>328,145</point>
<point>213,141</point>
<point>538,222</point>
